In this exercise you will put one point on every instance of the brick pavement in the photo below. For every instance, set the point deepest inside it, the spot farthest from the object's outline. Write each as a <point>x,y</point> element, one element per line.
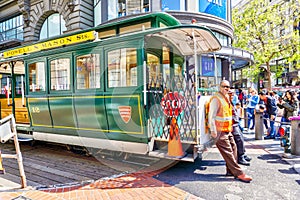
<point>130,186</point>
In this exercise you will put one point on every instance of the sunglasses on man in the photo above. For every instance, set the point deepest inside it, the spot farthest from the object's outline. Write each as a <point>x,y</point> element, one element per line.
<point>225,86</point>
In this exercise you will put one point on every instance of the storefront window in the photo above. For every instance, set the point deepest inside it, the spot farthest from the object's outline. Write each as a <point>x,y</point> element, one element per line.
<point>223,39</point>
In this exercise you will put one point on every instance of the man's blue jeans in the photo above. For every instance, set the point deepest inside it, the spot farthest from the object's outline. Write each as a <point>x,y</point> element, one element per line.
<point>272,124</point>
<point>250,114</point>
<point>272,128</point>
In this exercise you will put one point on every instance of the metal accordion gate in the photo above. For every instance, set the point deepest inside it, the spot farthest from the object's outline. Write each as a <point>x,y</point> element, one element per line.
<point>172,107</point>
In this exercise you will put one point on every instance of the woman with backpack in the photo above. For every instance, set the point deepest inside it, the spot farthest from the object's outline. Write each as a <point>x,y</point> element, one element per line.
<point>270,113</point>
<point>289,105</point>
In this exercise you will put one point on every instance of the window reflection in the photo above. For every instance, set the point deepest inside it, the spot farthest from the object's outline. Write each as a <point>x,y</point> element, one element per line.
<point>60,74</point>
<point>122,68</point>
<point>154,71</point>
<point>37,77</point>
<point>88,71</point>
<point>223,39</point>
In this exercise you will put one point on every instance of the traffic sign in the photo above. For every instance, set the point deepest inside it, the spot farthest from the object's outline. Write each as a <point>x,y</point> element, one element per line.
<point>173,104</point>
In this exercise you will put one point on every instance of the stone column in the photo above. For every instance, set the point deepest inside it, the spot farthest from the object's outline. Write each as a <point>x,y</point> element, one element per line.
<point>259,125</point>
<point>295,137</point>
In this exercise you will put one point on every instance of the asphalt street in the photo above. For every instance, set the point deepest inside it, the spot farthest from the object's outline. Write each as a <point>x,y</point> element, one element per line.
<point>274,176</point>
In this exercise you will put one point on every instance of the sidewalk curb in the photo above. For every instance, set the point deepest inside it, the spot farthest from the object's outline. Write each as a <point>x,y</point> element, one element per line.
<point>8,185</point>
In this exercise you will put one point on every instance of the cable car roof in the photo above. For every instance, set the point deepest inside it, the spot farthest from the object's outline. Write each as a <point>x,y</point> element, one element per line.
<point>182,38</point>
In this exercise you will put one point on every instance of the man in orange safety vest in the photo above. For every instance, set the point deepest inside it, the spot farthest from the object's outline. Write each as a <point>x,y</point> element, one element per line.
<point>220,125</point>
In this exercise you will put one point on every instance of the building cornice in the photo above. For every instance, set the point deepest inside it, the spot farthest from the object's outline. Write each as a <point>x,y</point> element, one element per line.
<point>207,20</point>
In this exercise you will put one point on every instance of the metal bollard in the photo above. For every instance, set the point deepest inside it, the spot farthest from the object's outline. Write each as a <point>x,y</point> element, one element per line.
<point>259,125</point>
<point>295,137</point>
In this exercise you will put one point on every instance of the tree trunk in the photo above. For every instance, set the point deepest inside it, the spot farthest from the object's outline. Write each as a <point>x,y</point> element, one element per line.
<point>269,84</point>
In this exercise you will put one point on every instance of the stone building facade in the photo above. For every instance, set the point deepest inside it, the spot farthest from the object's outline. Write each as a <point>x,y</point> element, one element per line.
<point>81,14</point>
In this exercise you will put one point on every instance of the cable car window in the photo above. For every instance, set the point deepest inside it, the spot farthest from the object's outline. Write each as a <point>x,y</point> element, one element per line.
<point>135,27</point>
<point>166,66</point>
<point>106,34</point>
<point>19,84</point>
<point>154,70</point>
<point>88,71</point>
<point>4,80</point>
<point>122,68</point>
<point>60,74</point>
<point>37,80</point>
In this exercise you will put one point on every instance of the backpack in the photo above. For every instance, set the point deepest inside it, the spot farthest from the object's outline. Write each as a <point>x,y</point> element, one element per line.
<point>272,105</point>
<point>241,96</point>
<point>207,104</point>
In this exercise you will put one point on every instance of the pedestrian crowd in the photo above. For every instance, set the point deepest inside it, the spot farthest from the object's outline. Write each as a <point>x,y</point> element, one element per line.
<point>273,105</point>
<point>226,109</point>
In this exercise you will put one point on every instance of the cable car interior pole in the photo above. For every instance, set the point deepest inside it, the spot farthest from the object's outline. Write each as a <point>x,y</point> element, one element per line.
<point>196,85</point>
<point>13,86</point>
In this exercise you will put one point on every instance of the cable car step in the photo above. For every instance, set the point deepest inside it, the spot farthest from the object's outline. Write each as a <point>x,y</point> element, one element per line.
<point>164,154</point>
<point>23,137</point>
<point>20,139</point>
<point>167,140</point>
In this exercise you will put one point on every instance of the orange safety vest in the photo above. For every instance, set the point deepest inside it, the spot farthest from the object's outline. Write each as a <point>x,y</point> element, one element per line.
<point>224,114</point>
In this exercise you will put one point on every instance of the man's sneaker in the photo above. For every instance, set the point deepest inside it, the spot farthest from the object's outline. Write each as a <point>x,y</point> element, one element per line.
<point>277,136</point>
<point>243,161</point>
<point>269,137</point>
<point>247,158</point>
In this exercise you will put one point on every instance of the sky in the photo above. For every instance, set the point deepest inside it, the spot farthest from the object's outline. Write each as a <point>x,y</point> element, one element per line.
<point>234,2</point>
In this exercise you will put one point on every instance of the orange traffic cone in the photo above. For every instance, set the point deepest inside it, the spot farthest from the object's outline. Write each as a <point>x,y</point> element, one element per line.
<point>2,171</point>
<point>174,144</point>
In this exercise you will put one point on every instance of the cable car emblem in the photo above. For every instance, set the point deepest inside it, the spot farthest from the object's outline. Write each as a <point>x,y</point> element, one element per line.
<point>125,113</point>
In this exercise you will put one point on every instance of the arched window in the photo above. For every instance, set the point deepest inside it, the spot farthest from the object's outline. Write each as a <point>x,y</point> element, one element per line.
<point>52,26</point>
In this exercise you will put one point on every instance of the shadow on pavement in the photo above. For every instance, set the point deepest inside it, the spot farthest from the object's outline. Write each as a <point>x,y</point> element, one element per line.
<point>197,171</point>
<point>274,159</point>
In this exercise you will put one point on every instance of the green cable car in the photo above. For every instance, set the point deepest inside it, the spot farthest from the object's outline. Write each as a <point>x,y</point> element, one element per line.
<point>127,85</point>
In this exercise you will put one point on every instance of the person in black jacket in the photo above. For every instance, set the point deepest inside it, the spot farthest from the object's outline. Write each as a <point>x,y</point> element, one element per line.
<point>242,158</point>
<point>289,105</point>
<point>271,111</point>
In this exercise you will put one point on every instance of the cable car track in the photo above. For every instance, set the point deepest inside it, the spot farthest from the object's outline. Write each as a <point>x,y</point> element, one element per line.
<point>48,164</point>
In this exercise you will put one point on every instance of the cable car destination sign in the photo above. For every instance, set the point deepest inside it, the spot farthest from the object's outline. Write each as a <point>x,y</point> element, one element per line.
<point>68,40</point>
